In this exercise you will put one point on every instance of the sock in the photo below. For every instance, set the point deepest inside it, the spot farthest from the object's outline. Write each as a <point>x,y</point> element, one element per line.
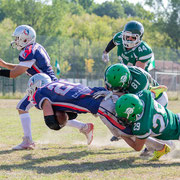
<point>153,144</point>
<point>26,124</point>
<point>75,123</point>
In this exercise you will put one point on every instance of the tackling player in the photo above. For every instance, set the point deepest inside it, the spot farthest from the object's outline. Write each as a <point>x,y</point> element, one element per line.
<point>132,79</point>
<point>131,50</point>
<point>33,59</point>
<point>70,97</point>
<point>148,119</point>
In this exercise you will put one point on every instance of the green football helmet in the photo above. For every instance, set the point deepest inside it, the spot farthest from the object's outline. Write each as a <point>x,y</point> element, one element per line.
<point>128,107</point>
<point>117,77</point>
<point>132,34</point>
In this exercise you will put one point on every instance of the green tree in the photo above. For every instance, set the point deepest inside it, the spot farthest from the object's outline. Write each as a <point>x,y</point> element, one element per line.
<point>168,21</point>
<point>44,18</point>
<point>6,51</point>
<point>112,9</point>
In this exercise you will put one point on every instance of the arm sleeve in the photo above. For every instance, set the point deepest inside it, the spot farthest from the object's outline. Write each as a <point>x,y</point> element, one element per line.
<point>27,63</point>
<point>110,46</point>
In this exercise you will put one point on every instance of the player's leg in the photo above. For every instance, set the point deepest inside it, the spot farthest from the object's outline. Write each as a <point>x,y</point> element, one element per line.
<point>85,128</point>
<point>23,107</point>
<point>156,148</point>
<point>163,99</point>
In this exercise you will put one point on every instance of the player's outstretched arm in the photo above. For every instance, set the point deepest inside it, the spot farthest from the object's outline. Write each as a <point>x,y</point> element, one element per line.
<point>7,65</point>
<point>18,70</point>
<point>105,55</point>
<point>136,144</point>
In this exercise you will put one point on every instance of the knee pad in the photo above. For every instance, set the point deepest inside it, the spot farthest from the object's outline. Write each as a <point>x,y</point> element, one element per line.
<point>72,115</point>
<point>52,122</point>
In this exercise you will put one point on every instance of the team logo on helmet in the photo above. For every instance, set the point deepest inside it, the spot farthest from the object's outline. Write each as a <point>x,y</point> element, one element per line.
<point>129,111</point>
<point>123,78</point>
<point>26,32</point>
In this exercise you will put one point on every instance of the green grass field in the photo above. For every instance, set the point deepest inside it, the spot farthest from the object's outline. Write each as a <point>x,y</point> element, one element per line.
<point>65,155</point>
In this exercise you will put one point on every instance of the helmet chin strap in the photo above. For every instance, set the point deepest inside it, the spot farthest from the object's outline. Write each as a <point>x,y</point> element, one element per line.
<point>124,121</point>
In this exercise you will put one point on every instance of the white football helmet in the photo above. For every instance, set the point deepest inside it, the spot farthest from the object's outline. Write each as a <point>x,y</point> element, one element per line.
<point>37,81</point>
<point>24,35</point>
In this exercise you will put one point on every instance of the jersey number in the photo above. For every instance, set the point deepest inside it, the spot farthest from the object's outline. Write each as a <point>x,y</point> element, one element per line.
<point>136,127</point>
<point>61,88</point>
<point>158,117</point>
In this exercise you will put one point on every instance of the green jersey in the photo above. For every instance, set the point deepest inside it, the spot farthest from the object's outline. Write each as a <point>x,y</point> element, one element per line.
<point>140,80</point>
<point>156,120</point>
<point>141,52</point>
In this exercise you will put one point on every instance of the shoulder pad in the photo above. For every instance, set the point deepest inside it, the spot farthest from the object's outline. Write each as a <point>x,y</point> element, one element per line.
<point>143,52</point>
<point>117,38</point>
<point>26,53</point>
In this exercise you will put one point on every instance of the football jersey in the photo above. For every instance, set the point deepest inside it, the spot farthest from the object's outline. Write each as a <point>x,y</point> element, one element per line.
<point>141,52</point>
<point>42,60</point>
<point>155,120</point>
<point>139,80</point>
<point>66,96</point>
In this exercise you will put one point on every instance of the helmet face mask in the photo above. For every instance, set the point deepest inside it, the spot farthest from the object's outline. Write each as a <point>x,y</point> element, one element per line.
<point>124,121</point>
<point>130,40</point>
<point>117,77</point>
<point>128,108</point>
<point>24,35</point>
<point>132,34</point>
<point>35,82</point>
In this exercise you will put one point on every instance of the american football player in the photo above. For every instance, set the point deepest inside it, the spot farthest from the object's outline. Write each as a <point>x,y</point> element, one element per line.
<point>131,49</point>
<point>65,96</point>
<point>33,59</point>
<point>148,118</point>
<point>132,79</point>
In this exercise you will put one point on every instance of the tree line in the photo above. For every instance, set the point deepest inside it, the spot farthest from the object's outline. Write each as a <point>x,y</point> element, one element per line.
<point>75,32</point>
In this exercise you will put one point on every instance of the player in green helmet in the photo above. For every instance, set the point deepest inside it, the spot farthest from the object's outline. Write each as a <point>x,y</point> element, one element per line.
<point>153,121</point>
<point>128,107</point>
<point>131,79</point>
<point>131,49</point>
<point>117,76</point>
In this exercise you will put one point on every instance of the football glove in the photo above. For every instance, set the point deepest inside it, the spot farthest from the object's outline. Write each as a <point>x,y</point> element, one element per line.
<point>105,57</point>
<point>105,94</point>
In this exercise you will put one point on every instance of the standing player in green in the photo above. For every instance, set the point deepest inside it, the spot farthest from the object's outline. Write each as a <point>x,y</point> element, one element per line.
<point>148,119</point>
<point>131,50</point>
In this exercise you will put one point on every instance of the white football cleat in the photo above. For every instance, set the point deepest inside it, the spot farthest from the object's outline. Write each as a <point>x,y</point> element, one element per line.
<point>26,144</point>
<point>87,130</point>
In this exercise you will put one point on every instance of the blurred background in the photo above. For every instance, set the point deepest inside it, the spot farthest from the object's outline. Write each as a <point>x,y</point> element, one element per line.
<point>75,33</point>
